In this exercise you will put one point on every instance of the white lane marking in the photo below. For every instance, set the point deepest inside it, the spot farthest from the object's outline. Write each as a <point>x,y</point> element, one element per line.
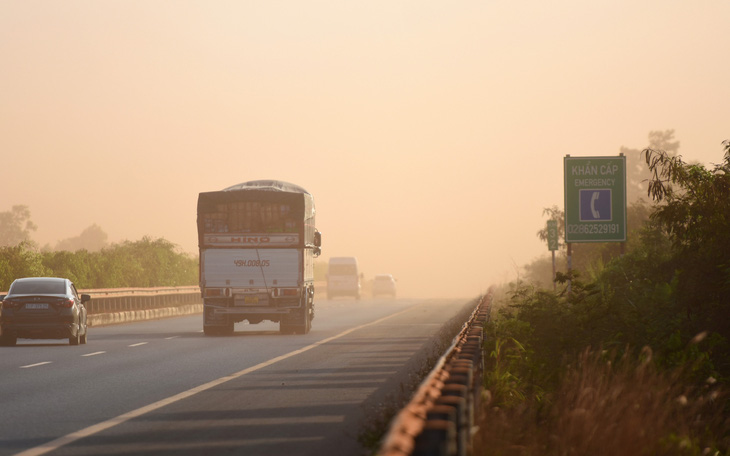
<point>94,354</point>
<point>96,428</point>
<point>137,345</point>
<point>171,337</point>
<point>36,364</point>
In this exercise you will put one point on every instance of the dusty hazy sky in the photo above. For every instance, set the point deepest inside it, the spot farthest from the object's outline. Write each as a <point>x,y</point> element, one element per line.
<point>430,133</point>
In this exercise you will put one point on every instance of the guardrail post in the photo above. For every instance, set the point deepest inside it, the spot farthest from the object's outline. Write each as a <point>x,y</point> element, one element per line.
<point>438,438</point>
<point>456,395</point>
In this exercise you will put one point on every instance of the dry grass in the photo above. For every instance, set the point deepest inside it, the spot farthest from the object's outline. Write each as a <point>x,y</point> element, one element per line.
<point>608,406</point>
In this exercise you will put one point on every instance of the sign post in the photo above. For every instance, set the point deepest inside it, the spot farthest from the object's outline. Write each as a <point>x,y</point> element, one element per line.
<point>552,232</point>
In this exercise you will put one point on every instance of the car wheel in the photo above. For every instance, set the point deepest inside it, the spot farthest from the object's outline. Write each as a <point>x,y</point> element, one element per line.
<point>83,338</point>
<point>75,340</point>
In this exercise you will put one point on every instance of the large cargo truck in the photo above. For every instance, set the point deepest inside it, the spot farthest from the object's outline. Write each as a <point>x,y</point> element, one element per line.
<point>257,243</point>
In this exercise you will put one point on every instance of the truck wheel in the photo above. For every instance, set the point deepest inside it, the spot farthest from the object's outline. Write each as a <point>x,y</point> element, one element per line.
<point>216,330</point>
<point>227,330</point>
<point>8,340</point>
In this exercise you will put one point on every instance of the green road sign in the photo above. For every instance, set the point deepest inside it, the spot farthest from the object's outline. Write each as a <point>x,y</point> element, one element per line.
<point>552,231</point>
<point>595,199</point>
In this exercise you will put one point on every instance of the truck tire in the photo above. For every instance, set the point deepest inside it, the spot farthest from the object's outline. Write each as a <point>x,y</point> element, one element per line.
<point>223,330</point>
<point>302,322</point>
<point>8,340</point>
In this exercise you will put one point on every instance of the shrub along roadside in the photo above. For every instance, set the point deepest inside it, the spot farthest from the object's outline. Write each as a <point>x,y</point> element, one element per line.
<point>144,263</point>
<point>608,404</point>
<point>657,320</point>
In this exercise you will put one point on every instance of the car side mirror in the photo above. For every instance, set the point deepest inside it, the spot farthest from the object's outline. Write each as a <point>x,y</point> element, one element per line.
<point>317,238</point>
<point>85,298</point>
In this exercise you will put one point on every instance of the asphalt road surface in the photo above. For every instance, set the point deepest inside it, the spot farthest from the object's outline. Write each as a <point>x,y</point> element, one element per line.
<point>162,387</point>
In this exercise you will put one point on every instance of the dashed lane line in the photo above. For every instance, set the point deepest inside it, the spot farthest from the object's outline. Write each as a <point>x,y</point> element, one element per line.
<point>36,365</point>
<point>96,428</point>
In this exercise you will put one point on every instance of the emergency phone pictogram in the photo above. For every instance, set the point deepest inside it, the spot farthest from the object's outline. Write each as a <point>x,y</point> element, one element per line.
<point>595,205</point>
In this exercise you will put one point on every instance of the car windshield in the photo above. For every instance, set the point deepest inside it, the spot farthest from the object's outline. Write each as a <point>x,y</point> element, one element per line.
<point>38,287</point>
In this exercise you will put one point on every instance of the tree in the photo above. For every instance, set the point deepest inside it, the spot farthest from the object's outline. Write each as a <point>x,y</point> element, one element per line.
<point>15,226</point>
<point>694,210</point>
<point>637,172</point>
<point>22,260</point>
<point>92,239</point>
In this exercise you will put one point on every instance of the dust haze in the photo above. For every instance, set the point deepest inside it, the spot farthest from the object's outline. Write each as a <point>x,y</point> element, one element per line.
<point>431,134</point>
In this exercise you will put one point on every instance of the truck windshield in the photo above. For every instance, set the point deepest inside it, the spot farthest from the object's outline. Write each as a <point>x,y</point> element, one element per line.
<point>342,269</point>
<point>250,217</point>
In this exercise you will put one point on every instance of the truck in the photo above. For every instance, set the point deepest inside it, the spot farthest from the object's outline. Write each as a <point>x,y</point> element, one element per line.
<point>257,243</point>
<point>343,277</point>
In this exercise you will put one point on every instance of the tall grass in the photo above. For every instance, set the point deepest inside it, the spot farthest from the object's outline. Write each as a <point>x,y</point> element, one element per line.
<point>610,405</point>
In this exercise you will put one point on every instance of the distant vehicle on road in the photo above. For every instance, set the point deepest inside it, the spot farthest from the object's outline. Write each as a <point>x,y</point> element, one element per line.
<point>43,308</point>
<point>343,277</point>
<point>384,284</point>
<point>257,245</point>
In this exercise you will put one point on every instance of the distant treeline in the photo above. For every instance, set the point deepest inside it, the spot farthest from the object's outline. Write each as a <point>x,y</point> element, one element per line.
<point>144,263</point>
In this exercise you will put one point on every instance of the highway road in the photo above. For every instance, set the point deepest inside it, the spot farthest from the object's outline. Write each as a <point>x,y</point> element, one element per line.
<point>162,387</point>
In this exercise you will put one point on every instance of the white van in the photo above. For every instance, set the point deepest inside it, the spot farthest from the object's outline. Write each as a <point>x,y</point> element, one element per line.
<point>343,277</point>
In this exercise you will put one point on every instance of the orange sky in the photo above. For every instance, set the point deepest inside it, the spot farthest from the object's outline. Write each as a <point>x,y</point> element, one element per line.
<point>431,134</point>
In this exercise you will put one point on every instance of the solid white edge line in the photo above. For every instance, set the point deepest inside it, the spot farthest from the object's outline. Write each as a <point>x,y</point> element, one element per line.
<point>96,428</point>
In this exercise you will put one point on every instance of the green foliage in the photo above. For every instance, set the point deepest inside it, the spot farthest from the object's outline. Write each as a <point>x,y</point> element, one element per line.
<point>694,212</point>
<point>21,260</point>
<point>144,263</point>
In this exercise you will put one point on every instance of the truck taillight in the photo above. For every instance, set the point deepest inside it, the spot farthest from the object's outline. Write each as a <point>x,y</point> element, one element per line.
<point>214,292</point>
<point>288,292</point>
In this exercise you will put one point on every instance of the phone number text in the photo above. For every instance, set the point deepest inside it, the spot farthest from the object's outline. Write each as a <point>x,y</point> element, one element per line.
<point>594,228</point>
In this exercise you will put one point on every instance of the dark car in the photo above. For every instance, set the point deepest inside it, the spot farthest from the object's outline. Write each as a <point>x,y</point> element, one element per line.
<point>43,308</point>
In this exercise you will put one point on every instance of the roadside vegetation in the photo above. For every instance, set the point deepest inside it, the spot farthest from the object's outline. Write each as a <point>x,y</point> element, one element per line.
<point>627,354</point>
<point>130,264</point>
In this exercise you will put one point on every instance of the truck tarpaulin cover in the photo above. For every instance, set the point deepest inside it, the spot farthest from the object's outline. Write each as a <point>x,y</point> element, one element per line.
<point>273,191</point>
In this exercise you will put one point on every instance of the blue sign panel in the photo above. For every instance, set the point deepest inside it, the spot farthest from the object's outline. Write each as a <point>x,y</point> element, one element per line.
<point>595,205</point>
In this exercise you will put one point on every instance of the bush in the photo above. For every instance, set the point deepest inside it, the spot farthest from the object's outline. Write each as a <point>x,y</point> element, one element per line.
<point>144,263</point>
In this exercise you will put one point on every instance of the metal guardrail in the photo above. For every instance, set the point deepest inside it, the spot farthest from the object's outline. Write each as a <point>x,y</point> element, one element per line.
<point>440,418</point>
<point>108,300</point>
